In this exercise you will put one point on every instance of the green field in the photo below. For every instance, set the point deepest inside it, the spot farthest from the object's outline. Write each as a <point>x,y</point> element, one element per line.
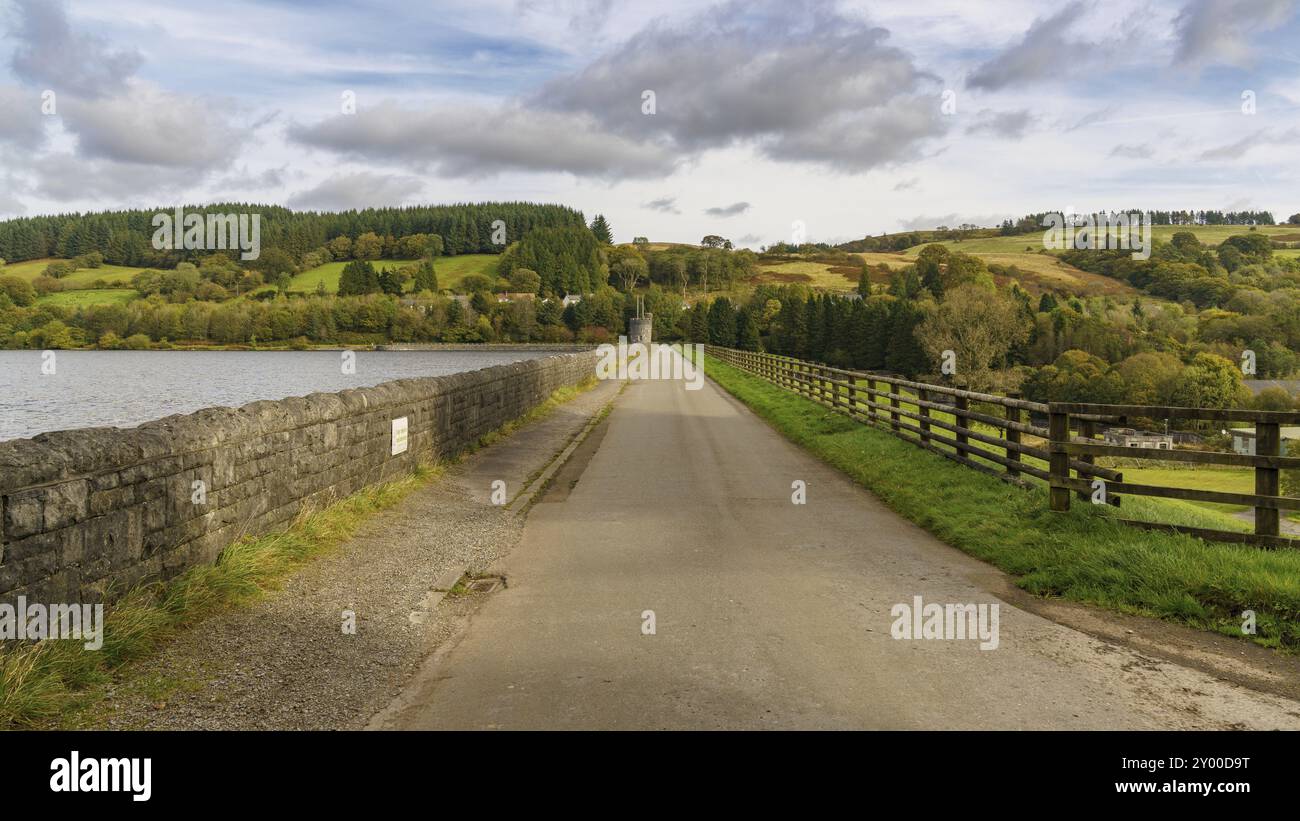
<point>1215,234</point>
<point>450,270</point>
<point>1031,243</point>
<point>112,274</point>
<point>82,299</point>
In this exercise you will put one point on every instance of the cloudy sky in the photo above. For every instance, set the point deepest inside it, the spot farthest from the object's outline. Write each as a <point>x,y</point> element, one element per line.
<point>675,119</point>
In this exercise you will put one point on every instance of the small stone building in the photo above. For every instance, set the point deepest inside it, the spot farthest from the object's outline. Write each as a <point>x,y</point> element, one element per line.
<point>1133,438</point>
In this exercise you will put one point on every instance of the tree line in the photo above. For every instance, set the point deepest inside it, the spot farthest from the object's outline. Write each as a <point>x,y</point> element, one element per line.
<point>124,237</point>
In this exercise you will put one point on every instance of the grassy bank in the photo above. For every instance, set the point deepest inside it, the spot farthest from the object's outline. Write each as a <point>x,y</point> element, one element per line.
<point>1081,555</point>
<point>40,681</point>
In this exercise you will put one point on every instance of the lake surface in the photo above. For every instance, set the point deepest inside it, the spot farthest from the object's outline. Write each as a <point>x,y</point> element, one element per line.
<point>125,388</point>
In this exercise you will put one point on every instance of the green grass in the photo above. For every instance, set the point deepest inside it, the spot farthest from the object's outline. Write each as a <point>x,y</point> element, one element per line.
<point>82,299</point>
<point>1082,555</point>
<point>42,680</point>
<point>84,278</point>
<point>450,270</point>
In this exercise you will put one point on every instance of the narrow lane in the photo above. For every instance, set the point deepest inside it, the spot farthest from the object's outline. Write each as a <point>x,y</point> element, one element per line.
<point>768,614</point>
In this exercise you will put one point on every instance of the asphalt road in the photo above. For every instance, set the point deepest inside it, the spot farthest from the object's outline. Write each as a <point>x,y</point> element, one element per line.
<point>767,614</point>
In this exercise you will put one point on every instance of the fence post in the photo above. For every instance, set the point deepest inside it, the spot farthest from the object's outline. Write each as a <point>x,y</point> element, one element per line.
<point>961,403</point>
<point>893,404</point>
<point>1013,436</point>
<point>1267,443</point>
<point>1058,429</point>
<point>1086,429</point>
<point>923,395</point>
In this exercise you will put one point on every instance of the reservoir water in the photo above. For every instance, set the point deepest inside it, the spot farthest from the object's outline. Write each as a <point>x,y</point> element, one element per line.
<point>125,388</point>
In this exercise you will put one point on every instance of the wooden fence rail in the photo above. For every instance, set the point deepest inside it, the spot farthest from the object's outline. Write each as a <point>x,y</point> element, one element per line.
<point>991,434</point>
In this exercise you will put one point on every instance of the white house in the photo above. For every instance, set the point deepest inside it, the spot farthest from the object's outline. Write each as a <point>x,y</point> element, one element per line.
<point>1243,439</point>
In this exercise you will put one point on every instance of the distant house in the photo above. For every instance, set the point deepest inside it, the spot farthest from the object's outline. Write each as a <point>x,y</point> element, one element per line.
<point>516,297</point>
<point>1243,439</point>
<point>571,299</point>
<point>1133,438</point>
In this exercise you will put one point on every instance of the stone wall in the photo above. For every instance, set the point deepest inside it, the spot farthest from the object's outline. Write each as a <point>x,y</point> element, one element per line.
<point>85,513</point>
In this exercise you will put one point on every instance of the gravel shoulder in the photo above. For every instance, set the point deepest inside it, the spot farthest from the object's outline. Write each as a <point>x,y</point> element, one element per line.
<point>284,661</point>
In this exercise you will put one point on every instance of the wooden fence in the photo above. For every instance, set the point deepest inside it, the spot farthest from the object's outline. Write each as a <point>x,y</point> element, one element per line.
<point>996,435</point>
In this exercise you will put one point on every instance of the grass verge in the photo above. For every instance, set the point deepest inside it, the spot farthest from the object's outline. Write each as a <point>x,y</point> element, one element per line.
<point>42,680</point>
<point>1080,555</point>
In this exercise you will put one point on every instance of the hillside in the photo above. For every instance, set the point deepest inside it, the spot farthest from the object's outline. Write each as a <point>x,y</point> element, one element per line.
<point>450,270</point>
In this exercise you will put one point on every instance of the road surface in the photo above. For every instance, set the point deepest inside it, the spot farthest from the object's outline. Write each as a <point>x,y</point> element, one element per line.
<point>767,614</point>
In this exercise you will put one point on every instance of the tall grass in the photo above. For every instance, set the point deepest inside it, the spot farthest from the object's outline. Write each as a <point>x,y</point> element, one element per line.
<point>1083,555</point>
<point>39,680</point>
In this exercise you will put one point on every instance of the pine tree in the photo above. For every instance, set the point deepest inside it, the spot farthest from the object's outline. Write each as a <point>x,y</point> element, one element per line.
<point>798,330</point>
<point>722,323</point>
<point>426,279</point>
<point>859,335</point>
<point>699,323</point>
<point>358,277</point>
<point>905,354</point>
<point>747,338</point>
<point>600,227</point>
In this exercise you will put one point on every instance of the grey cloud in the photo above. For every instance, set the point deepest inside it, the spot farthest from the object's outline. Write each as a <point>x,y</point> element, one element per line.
<point>907,185</point>
<point>862,140</point>
<point>1092,118</point>
<point>69,177</point>
<point>1238,149</point>
<point>244,180</point>
<point>51,54</point>
<point>23,123</point>
<point>777,74</point>
<point>150,127</point>
<point>584,16</point>
<point>667,205</point>
<point>10,204</point>
<point>362,189</point>
<point>469,142</point>
<point>1217,32</point>
<point>799,81</point>
<point>1007,124</point>
<point>1135,152</point>
<point>1042,53</point>
<point>733,210</point>
<point>749,239</point>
